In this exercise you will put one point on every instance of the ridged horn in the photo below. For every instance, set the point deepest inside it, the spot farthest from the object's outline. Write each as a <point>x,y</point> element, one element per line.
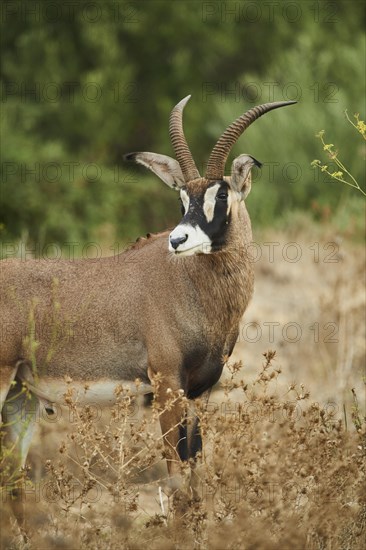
<point>180,146</point>
<point>216,163</point>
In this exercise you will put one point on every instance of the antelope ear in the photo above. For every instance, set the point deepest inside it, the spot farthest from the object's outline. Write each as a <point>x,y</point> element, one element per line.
<point>241,178</point>
<point>166,168</point>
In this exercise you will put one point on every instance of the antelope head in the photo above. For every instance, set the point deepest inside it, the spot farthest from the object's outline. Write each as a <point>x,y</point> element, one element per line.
<point>209,203</point>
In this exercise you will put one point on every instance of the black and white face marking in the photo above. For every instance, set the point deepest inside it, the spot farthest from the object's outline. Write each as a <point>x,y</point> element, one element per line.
<point>206,216</point>
<point>184,197</point>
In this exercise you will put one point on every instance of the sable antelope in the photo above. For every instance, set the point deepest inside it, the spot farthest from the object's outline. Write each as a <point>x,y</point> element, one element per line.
<point>171,304</point>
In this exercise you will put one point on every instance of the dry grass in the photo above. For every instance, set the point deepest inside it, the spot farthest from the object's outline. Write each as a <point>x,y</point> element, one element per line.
<point>284,433</point>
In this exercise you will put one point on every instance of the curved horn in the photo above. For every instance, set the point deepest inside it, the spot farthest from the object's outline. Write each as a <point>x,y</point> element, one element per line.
<point>216,162</point>
<point>180,146</point>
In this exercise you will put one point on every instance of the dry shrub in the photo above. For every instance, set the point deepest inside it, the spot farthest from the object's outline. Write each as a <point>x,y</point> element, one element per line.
<point>277,471</point>
<point>282,466</point>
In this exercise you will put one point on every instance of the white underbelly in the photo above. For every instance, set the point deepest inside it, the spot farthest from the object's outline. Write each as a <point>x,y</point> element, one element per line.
<point>103,392</point>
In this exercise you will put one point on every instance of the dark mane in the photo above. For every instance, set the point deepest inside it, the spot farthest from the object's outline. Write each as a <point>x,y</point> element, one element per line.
<point>141,242</point>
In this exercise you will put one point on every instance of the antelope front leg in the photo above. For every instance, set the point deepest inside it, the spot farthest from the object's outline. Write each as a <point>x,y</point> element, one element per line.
<point>171,415</point>
<point>194,443</point>
<point>172,422</point>
<point>172,409</point>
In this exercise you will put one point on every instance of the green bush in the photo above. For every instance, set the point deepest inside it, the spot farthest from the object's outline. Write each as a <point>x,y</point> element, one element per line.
<point>78,93</point>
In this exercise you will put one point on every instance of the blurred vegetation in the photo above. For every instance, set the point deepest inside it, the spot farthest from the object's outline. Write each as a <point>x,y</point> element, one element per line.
<point>84,82</point>
<point>341,173</point>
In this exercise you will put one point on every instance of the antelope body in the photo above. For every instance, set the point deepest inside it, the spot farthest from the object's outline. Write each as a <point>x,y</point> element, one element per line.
<point>171,304</point>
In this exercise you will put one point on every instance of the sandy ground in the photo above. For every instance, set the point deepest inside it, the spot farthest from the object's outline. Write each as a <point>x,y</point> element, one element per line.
<point>309,306</point>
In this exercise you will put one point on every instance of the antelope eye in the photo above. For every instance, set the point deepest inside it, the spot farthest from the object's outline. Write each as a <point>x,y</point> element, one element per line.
<point>222,196</point>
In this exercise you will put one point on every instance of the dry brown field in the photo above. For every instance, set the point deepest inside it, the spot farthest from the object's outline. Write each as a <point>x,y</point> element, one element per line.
<point>284,432</point>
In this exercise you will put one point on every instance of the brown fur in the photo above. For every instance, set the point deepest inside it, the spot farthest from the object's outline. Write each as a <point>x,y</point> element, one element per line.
<point>100,306</point>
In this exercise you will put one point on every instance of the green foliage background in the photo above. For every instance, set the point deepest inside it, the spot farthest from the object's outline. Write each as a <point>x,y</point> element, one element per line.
<point>85,82</point>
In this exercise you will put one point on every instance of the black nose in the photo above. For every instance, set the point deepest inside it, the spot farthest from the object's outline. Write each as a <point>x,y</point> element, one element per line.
<point>176,242</point>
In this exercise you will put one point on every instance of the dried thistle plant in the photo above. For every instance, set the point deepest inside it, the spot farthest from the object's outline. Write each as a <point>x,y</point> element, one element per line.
<point>277,470</point>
